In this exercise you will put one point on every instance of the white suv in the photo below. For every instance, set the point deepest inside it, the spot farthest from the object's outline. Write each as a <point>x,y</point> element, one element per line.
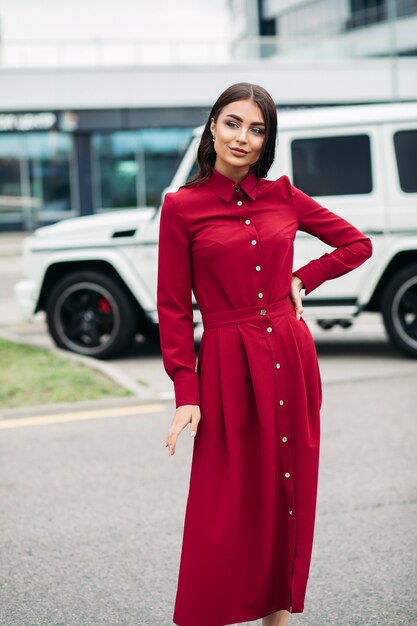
<point>95,276</point>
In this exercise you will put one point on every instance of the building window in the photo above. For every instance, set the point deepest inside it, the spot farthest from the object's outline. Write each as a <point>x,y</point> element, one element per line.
<point>132,168</point>
<point>405,143</point>
<point>366,12</point>
<point>36,178</point>
<point>332,166</point>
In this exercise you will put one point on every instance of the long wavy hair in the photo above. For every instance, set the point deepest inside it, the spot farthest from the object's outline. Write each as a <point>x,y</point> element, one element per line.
<point>206,154</point>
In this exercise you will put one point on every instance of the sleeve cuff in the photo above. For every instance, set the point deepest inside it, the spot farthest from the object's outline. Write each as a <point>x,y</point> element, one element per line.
<point>187,390</point>
<point>311,276</point>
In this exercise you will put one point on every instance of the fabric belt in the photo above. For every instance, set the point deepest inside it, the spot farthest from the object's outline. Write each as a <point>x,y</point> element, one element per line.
<point>214,319</point>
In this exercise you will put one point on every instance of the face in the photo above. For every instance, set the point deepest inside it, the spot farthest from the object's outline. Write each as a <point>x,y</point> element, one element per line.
<point>239,136</point>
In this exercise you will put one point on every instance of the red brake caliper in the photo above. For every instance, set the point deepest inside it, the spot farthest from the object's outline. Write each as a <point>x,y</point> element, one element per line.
<point>103,306</point>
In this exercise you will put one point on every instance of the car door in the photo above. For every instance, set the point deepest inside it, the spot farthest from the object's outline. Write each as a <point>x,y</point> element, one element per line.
<point>400,146</point>
<point>342,168</point>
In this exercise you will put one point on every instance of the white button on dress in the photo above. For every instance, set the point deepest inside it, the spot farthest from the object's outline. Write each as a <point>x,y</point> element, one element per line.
<point>253,242</point>
<point>260,295</point>
<point>269,329</point>
<point>247,221</point>
<point>239,203</point>
<point>258,268</point>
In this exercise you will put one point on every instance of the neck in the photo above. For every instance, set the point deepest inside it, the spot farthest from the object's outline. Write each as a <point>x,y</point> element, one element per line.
<point>234,173</point>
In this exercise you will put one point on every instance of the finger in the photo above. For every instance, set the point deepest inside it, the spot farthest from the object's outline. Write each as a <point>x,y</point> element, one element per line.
<point>172,439</point>
<point>175,429</point>
<point>298,307</point>
<point>195,418</point>
<point>180,421</point>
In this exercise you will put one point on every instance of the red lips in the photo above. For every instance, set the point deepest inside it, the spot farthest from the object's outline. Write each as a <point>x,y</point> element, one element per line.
<point>238,150</point>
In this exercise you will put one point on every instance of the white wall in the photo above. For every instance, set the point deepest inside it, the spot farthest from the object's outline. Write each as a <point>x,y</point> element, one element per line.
<point>275,7</point>
<point>303,82</point>
<point>112,19</point>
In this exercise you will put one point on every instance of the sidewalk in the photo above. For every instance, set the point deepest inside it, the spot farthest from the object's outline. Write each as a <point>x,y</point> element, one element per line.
<point>361,352</point>
<point>34,333</point>
<point>11,243</point>
<point>41,339</point>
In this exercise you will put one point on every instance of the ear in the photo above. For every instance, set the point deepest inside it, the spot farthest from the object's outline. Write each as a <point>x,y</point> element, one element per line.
<point>213,127</point>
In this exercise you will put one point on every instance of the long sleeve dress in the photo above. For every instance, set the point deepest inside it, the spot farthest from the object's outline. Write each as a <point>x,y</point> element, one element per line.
<point>249,520</point>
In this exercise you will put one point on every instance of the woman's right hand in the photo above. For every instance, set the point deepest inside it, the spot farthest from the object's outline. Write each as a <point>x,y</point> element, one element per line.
<point>184,414</point>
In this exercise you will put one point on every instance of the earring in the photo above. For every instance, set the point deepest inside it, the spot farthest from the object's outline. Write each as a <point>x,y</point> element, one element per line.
<point>214,138</point>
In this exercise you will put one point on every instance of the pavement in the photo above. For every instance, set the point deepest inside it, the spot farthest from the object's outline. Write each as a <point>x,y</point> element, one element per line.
<point>344,354</point>
<point>92,505</point>
<point>135,377</point>
<point>92,513</point>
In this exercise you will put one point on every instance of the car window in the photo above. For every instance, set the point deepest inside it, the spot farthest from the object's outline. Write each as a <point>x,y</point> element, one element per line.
<point>405,143</point>
<point>332,166</point>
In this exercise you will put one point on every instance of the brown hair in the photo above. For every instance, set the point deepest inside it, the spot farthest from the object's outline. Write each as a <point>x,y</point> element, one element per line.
<point>206,155</point>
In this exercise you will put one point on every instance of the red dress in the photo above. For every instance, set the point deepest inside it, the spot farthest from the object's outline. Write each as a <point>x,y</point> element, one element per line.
<point>249,520</point>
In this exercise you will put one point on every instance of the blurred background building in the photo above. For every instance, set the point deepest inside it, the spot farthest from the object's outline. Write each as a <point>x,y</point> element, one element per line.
<point>98,98</point>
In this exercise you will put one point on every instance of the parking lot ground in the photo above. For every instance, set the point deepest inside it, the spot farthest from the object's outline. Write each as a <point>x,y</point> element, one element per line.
<point>344,355</point>
<point>92,513</point>
<point>92,506</point>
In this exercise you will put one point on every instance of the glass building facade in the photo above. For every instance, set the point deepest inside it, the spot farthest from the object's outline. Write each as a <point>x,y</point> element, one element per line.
<point>37,178</point>
<point>130,168</point>
<point>82,163</point>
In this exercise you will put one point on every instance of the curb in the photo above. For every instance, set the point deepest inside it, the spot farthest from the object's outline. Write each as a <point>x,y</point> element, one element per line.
<point>75,407</point>
<point>107,369</point>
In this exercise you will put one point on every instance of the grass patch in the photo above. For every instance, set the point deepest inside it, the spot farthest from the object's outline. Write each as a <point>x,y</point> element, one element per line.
<point>30,376</point>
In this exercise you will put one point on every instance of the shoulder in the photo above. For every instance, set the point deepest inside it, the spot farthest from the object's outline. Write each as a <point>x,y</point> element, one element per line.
<point>171,209</point>
<point>186,196</point>
<point>186,192</point>
<point>282,186</point>
<point>178,206</point>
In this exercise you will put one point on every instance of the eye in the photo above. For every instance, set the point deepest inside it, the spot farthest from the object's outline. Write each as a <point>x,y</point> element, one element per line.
<point>258,131</point>
<point>231,124</point>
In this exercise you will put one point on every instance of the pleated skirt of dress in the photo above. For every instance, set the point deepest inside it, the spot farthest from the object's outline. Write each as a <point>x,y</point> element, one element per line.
<point>250,511</point>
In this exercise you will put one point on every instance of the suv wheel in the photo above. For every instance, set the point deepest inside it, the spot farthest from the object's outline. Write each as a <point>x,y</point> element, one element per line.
<point>91,314</point>
<point>399,310</point>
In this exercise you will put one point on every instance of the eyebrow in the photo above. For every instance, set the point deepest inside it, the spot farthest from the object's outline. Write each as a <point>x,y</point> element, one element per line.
<point>239,119</point>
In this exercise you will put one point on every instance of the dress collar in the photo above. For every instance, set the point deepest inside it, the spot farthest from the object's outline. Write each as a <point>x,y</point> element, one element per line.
<point>225,187</point>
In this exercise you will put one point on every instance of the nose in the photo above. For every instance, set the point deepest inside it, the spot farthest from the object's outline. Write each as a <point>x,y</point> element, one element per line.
<point>242,135</point>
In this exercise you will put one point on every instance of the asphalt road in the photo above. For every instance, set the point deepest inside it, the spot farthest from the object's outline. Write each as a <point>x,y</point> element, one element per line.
<point>92,506</point>
<point>92,513</point>
<point>345,354</point>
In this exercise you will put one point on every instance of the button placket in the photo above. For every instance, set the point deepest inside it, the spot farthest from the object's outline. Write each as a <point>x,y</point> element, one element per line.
<point>284,451</point>
<point>238,194</point>
<point>254,242</point>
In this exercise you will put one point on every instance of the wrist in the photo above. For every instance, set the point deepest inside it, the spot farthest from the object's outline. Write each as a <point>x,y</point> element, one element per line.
<point>298,281</point>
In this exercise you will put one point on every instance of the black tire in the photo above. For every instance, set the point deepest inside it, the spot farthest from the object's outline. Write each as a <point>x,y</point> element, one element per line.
<point>399,310</point>
<point>92,314</point>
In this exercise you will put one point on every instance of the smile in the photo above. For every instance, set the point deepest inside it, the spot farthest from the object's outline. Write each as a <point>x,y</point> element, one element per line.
<point>238,151</point>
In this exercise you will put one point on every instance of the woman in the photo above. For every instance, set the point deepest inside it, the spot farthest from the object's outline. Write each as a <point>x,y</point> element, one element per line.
<point>253,404</point>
